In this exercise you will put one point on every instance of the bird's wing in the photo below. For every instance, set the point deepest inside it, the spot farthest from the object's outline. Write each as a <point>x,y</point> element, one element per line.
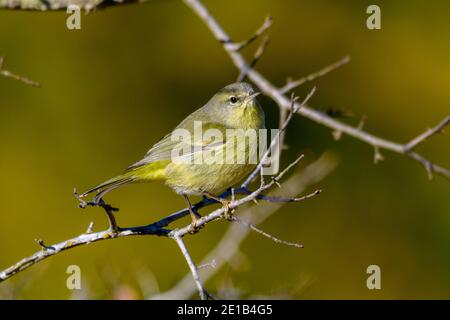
<point>164,149</point>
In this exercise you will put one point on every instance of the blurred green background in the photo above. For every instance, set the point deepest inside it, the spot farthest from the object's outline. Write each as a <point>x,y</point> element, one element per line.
<point>133,72</point>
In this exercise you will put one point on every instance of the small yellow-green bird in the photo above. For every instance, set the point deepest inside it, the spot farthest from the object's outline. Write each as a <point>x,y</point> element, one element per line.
<point>233,107</point>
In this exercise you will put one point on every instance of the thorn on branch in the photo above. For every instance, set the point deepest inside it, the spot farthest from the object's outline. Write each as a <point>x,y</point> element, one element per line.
<point>338,113</point>
<point>362,122</point>
<point>90,228</point>
<point>377,156</point>
<point>429,168</point>
<point>336,134</point>
<point>41,243</point>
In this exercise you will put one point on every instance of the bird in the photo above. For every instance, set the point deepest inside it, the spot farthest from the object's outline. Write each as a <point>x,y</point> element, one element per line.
<point>233,107</point>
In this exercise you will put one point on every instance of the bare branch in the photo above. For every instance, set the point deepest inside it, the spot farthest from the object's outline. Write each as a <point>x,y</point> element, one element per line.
<point>283,102</point>
<point>202,292</point>
<point>156,228</point>
<point>57,248</point>
<point>9,74</point>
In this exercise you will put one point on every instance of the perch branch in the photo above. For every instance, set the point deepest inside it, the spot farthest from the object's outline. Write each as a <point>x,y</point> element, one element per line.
<point>157,228</point>
<point>230,243</point>
<point>152,229</point>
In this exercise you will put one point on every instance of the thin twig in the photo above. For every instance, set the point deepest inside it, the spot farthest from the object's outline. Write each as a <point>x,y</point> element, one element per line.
<point>427,134</point>
<point>211,264</point>
<point>9,74</point>
<point>290,85</point>
<point>239,46</point>
<point>265,234</point>
<point>258,54</point>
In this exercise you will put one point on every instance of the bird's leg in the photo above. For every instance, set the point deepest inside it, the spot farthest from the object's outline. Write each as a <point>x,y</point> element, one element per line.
<point>228,212</point>
<point>194,215</point>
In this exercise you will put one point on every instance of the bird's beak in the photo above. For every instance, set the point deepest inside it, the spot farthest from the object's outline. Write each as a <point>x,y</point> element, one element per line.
<point>252,96</point>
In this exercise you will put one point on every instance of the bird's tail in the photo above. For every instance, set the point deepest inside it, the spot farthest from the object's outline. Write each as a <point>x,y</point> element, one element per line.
<point>109,185</point>
<point>151,171</point>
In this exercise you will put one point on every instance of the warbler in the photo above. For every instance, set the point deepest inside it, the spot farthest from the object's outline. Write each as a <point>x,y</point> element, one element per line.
<point>233,107</point>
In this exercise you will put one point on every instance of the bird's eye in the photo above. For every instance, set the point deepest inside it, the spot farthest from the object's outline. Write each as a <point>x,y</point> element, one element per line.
<point>233,99</point>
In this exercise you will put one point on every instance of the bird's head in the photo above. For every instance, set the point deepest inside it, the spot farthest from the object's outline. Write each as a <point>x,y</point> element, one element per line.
<point>236,106</point>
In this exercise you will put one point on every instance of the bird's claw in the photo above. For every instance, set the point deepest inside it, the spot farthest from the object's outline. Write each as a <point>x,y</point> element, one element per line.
<point>195,227</point>
<point>227,211</point>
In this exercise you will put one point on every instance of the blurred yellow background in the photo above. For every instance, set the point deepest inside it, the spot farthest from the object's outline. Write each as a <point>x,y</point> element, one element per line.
<point>112,89</point>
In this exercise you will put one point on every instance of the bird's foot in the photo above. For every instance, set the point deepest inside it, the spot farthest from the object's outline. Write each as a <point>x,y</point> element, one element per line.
<point>195,226</point>
<point>227,211</point>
